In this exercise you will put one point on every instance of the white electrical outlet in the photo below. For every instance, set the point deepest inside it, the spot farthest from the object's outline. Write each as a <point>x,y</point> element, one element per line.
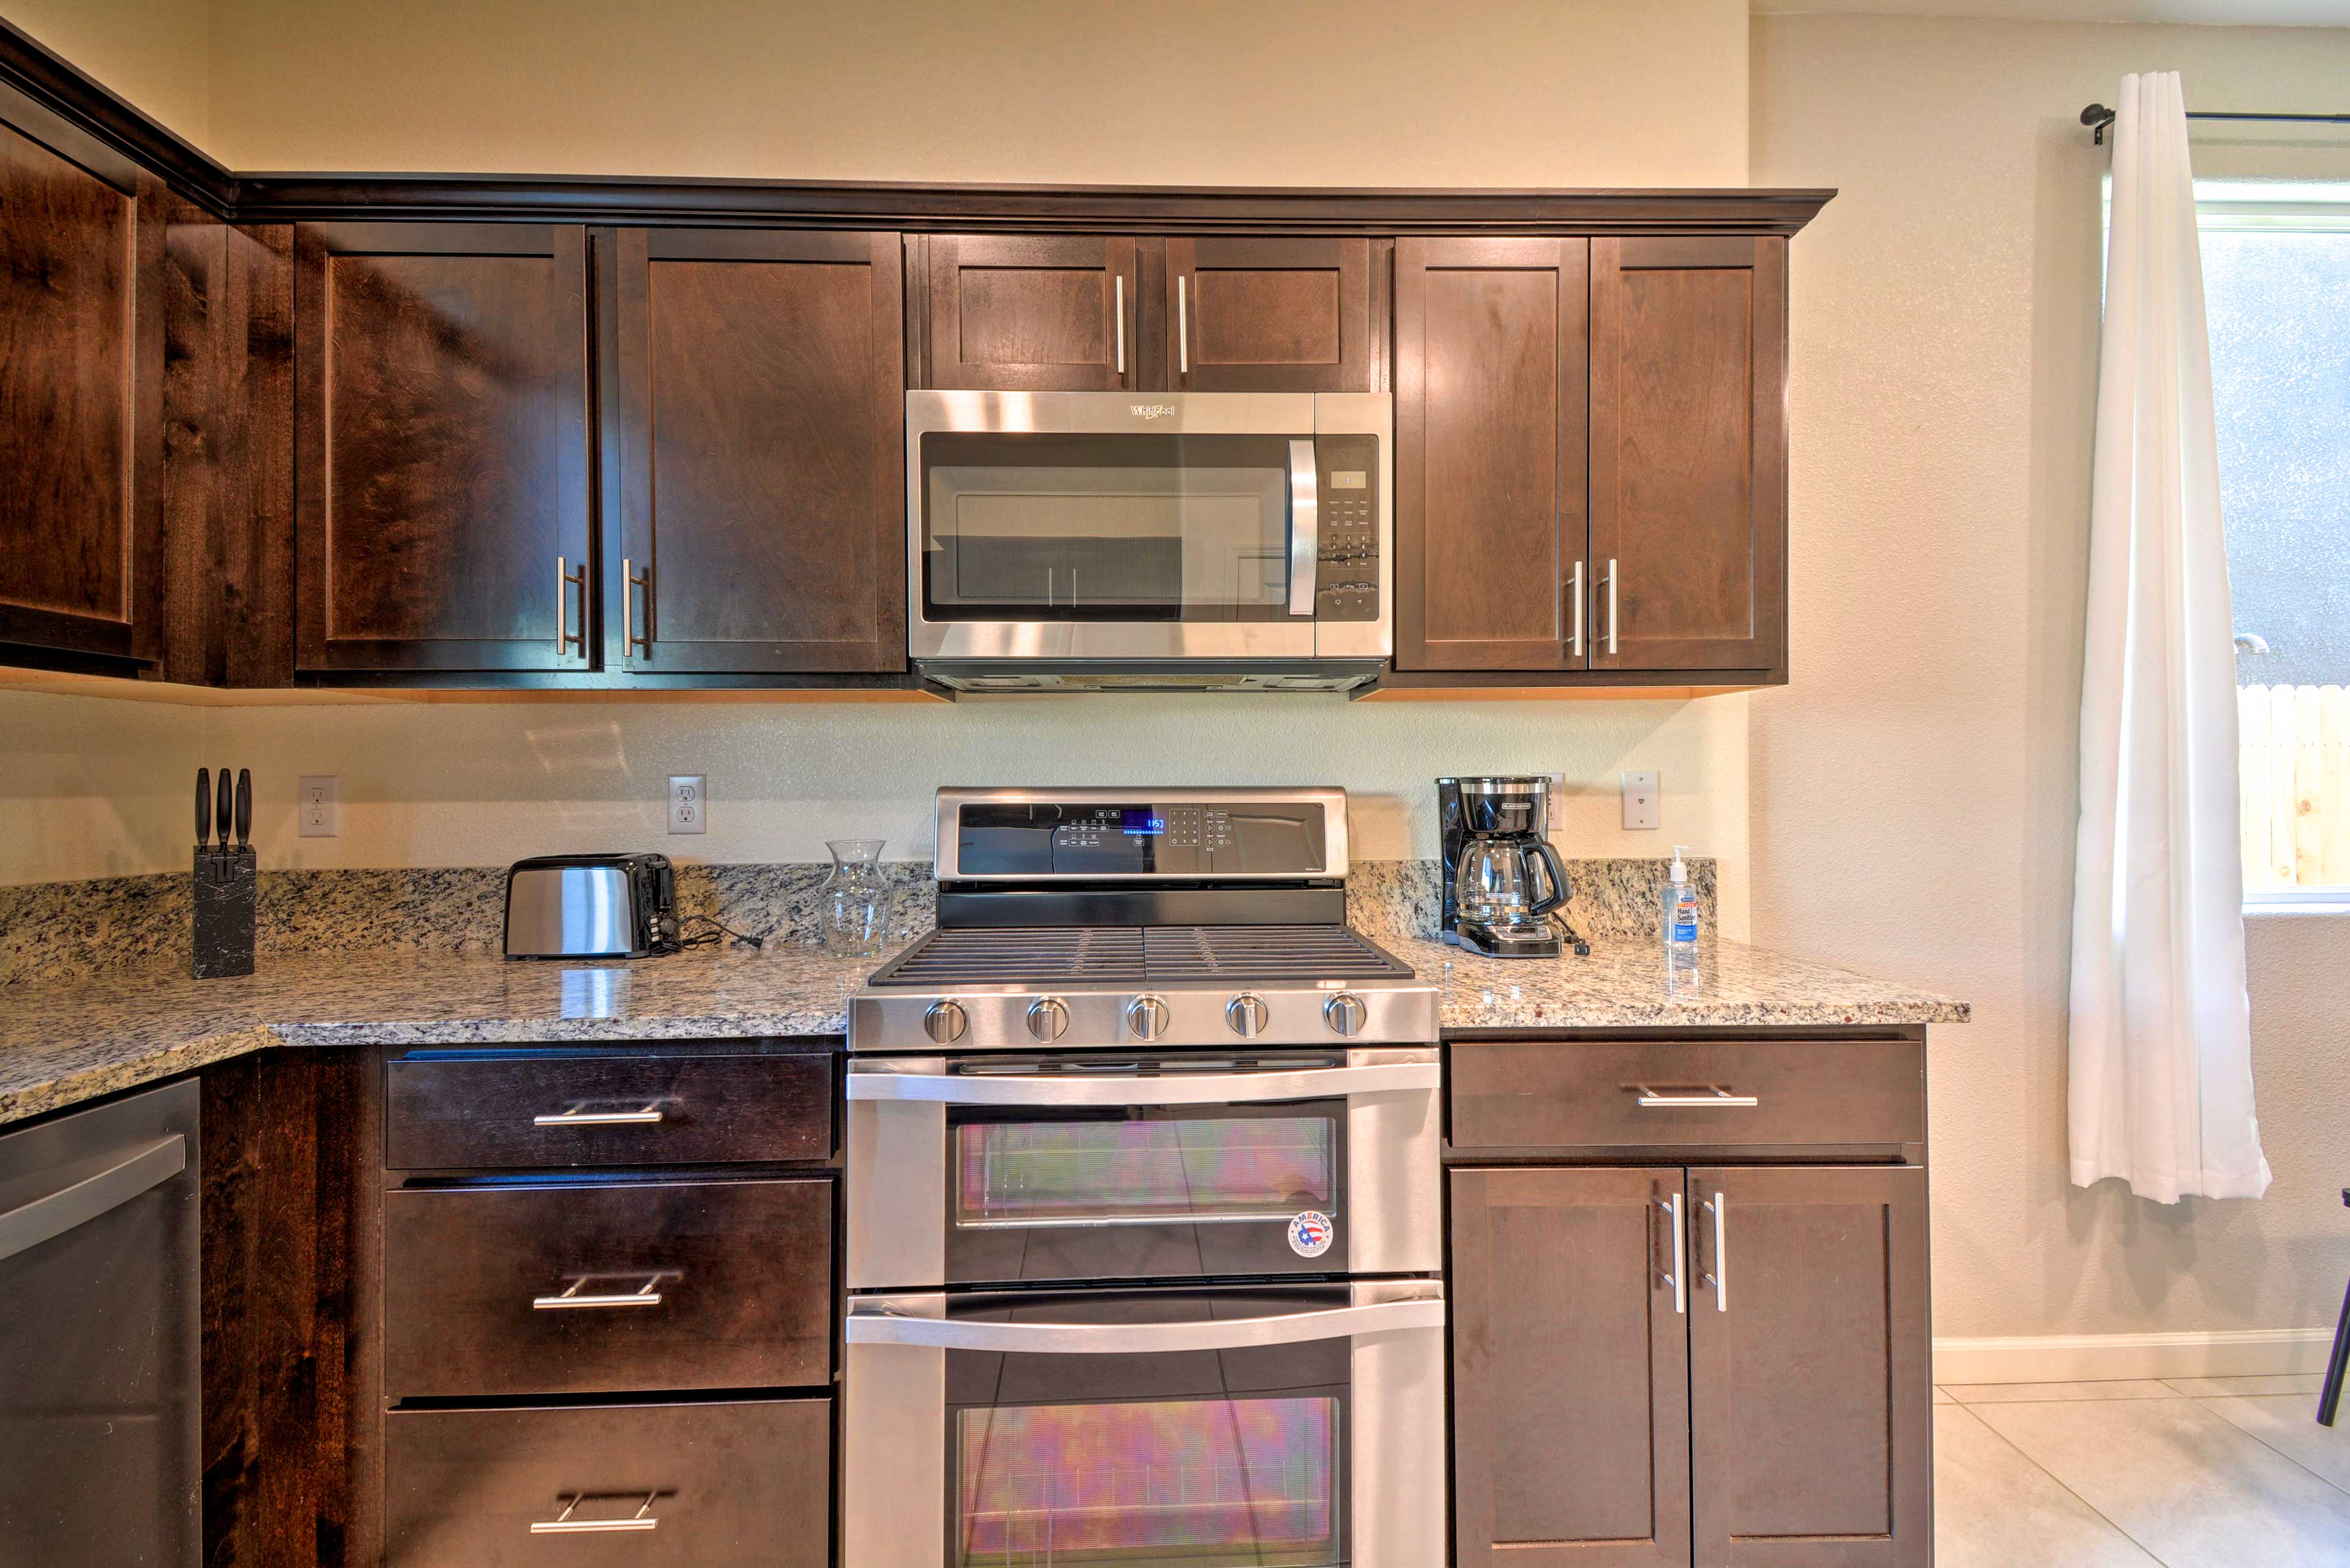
<point>1643,804</point>
<point>687,799</point>
<point>317,813</point>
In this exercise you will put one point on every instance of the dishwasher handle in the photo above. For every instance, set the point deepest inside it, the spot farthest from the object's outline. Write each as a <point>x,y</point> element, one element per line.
<point>70,1208</point>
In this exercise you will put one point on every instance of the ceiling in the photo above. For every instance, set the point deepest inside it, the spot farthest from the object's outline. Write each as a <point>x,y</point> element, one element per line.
<point>2216,12</point>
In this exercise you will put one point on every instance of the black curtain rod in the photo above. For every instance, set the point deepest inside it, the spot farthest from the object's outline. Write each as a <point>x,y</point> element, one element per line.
<point>2099,116</point>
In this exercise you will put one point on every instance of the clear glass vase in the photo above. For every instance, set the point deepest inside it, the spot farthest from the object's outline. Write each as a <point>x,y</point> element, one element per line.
<point>853,906</point>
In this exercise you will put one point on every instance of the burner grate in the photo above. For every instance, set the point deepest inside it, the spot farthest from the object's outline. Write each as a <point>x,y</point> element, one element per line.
<point>1136,955</point>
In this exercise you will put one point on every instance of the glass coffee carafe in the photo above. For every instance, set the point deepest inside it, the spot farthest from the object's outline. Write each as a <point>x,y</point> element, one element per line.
<point>1508,883</point>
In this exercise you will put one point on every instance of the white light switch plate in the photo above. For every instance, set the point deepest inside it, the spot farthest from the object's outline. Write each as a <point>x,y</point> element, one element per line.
<point>687,798</point>
<point>318,812</point>
<point>1643,808</point>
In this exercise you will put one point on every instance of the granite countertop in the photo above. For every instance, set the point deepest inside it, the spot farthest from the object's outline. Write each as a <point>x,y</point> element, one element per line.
<point>68,1041</point>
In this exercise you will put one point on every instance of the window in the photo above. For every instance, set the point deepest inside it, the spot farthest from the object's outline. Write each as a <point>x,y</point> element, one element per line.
<point>2276,288</point>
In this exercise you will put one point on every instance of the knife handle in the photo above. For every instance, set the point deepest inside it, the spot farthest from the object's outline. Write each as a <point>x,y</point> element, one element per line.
<point>203,807</point>
<point>243,807</point>
<point>223,808</point>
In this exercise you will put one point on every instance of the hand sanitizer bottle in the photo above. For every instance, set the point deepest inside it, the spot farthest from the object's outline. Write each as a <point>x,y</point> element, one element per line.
<point>1680,927</point>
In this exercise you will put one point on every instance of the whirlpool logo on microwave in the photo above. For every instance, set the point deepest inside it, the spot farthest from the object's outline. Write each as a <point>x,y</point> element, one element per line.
<point>1151,410</point>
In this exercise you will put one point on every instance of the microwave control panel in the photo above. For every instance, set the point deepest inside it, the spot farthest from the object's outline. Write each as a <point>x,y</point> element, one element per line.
<point>1348,576</point>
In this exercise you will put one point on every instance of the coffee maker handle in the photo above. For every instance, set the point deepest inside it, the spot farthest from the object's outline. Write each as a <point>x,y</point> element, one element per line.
<point>1554,871</point>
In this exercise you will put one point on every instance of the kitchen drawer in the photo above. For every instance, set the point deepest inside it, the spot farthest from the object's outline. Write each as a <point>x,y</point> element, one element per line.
<point>1526,1094</point>
<point>729,1483</point>
<point>557,1108</point>
<point>473,1276</point>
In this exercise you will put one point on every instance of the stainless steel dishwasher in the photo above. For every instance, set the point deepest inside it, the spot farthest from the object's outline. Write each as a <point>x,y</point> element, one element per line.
<point>99,1348</point>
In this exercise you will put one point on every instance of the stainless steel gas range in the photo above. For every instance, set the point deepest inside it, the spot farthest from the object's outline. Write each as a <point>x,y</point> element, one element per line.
<point>1144,1233</point>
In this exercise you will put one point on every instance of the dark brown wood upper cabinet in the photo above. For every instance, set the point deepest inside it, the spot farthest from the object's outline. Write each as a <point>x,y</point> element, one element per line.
<point>1270,314</point>
<point>1570,1370</point>
<point>441,447</point>
<point>1033,313</point>
<point>1490,419</point>
<point>1688,523</point>
<point>81,384</point>
<point>755,454</point>
<point>1811,1414</point>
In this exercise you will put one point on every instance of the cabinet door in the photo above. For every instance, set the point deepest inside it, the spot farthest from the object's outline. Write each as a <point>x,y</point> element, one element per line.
<point>441,446</point>
<point>1569,1369</point>
<point>1810,1374</point>
<point>755,452</point>
<point>1490,419</point>
<point>1033,313</point>
<point>81,381</point>
<point>1688,453</point>
<point>1280,315</point>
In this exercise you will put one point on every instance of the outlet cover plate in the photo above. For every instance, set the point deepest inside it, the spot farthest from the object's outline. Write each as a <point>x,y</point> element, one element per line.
<point>688,798</point>
<point>1643,804</point>
<point>318,813</point>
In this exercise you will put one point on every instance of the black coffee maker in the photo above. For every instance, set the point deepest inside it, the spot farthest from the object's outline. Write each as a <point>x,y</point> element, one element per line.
<point>1502,878</point>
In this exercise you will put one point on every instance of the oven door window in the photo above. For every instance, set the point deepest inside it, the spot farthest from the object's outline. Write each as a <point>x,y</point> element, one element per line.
<point>1146,1191</point>
<point>1028,527</point>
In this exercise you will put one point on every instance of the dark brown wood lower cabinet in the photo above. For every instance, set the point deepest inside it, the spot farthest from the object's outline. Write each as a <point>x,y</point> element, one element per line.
<point>1759,1397</point>
<point>1570,1370</point>
<point>725,1484</point>
<point>1810,1376</point>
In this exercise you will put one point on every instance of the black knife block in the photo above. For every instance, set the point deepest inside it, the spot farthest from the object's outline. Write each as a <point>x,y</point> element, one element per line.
<point>225,884</point>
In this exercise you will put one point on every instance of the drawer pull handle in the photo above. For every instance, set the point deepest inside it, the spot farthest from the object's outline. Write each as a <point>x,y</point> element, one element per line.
<point>577,1115</point>
<point>1711,1095</point>
<point>577,1294</point>
<point>563,1524</point>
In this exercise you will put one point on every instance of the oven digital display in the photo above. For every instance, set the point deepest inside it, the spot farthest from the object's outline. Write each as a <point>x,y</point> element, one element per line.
<point>1141,838</point>
<point>1140,823</point>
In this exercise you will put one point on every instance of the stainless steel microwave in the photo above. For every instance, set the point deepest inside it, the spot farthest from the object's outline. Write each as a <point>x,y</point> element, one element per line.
<point>1157,540</point>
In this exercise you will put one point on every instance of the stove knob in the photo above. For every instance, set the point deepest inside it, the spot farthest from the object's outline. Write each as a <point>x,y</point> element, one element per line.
<point>1048,1018</point>
<point>1245,1013</point>
<point>1146,1017</point>
<point>1345,1013</point>
<point>945,1022</point>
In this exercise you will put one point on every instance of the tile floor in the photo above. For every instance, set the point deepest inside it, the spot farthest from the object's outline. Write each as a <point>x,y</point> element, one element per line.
<point>2190,1472</point>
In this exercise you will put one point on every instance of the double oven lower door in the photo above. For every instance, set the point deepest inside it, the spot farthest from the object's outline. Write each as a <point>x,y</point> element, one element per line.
<point>1074,1168</point>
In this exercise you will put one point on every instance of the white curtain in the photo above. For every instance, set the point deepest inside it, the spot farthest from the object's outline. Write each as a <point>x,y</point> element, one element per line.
<point>2161,1086</point>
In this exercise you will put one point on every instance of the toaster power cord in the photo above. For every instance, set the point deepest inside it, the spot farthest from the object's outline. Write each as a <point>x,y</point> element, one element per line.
<point>691,933</point>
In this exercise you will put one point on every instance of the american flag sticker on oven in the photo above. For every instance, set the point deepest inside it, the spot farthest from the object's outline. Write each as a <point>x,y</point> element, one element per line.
<point>1311,1233</point>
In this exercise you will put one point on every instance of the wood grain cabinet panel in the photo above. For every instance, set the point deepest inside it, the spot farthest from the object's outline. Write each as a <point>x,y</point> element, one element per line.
<point>1688,453</point>
<point>755,447</point>
<point>1270,314</point>
<point>441,447</point>
<point>1490,430</point>
<point>1034,312</point>
<point>81,380</point>
<point>1809,1362</point>
<point>1570,1372</point>
<point>726,1484</point>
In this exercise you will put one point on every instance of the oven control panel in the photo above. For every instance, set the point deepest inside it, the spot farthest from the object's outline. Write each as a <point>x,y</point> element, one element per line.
<point>1188,834</point>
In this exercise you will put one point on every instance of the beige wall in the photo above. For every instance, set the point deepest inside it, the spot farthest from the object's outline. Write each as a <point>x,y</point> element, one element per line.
<point>156,54</point>
<point>1913,790</point>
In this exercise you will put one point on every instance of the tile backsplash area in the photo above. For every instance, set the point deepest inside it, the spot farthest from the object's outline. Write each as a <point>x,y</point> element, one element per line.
<point>55,931</point>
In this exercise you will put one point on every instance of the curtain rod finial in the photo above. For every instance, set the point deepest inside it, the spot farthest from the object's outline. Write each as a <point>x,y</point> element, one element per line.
<point>2096,113</point>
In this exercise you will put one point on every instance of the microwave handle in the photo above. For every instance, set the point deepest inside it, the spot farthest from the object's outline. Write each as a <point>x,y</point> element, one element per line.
<point>1203,1089</point>
<point>873,1325</point>
<point>1304,526</point>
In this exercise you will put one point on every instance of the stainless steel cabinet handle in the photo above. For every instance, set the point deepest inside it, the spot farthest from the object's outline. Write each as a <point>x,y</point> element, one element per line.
<point>1678,1278</point>
<point>1612,617</point>
<point>1304,526</point>
<point>577,1294</point>
<point>580,1116</point>
<point>1712,1095</point>
<point>565,578</point>
<point>630,581</point>
<point>69,1207</point>
<point>874,1326</point>
<point>1719,1278</point>
<point>1183,321</point>
<point>564,1524</point>
<point>1121,280</point>
<point>1204,1089</point>
<point>1575,596</point>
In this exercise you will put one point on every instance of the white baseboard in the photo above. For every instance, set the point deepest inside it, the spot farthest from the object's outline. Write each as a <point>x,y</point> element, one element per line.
<point>2097,1357</point>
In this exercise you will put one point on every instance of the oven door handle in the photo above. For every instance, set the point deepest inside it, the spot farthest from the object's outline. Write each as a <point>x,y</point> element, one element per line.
<point>866,1326</point>
<point>1304,526</point>
<point>1181,1089</point>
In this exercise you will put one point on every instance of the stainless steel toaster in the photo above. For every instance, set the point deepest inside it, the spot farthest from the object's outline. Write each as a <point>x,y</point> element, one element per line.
<point>591,906</point>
